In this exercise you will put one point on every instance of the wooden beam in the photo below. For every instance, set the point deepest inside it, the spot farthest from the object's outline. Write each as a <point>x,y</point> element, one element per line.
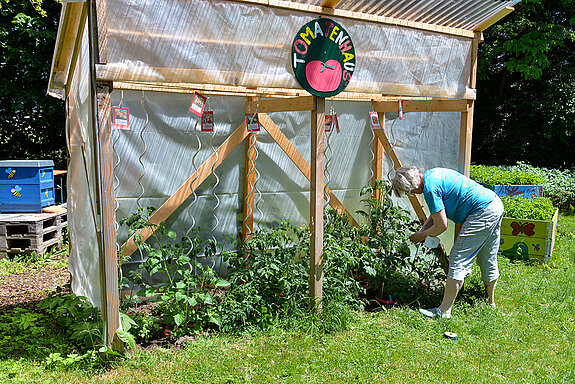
<point>494,19</point>
<point>330,3</point>
<point>422,106</point>
<point>382,136</point>
<point>108,211</point>
<point>316,204</point>
<point>249,182</point>
<point>158,79</point>
<point>189,185</point>
<point>70,29</point>
<point>300,162</point>
<point>465,136</point>
<point>474,55</point>
<point>302,103</point>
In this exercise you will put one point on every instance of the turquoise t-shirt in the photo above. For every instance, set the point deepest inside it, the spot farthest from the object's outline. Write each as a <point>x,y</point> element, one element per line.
<point>458,194</point>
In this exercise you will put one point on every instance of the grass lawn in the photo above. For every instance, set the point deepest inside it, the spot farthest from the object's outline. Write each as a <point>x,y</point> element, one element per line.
<point>529,339</point>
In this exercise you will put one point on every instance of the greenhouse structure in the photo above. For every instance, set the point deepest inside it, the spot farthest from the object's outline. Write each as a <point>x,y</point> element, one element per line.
<point>233,115</point>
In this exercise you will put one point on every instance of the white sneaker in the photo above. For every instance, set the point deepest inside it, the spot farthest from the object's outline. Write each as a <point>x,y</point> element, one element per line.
<point>434,312</point>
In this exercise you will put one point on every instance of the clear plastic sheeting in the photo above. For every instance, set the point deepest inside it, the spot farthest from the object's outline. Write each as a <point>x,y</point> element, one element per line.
<point>155,158</point>
<point>84,264</point>
<point>249,45</point>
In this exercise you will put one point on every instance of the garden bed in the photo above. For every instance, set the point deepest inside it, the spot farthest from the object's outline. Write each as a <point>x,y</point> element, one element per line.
<point>528,239</point>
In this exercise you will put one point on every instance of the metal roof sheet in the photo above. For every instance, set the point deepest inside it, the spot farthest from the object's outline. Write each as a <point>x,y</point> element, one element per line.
<point>462,14</point>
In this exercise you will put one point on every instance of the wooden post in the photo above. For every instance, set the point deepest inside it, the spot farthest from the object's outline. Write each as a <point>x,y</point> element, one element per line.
<point>465,135</point>
<point>466,126</point>
<point>377,165</point>
<point>108,212</point>
<point>249,181</point>
<point>316,204</point>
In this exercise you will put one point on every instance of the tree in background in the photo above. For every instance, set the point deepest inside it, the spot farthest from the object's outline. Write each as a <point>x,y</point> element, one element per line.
<point>32,124</point>
<point>525,109</point>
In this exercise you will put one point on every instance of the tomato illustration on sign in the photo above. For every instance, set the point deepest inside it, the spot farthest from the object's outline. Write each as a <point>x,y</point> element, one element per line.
<point>323,77</point>
<point>323,57</point>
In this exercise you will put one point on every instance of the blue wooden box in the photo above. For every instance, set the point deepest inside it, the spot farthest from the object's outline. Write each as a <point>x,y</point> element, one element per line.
<point>526,191</point>
<point>26,185</point>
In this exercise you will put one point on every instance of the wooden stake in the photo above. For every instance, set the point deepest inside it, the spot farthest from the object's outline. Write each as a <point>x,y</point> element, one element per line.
<point>249,181</point>
<point>316,204</point>
<point>377,165</point>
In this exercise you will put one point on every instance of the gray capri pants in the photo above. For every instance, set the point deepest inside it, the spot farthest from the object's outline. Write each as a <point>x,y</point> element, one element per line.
<point>478,239</point>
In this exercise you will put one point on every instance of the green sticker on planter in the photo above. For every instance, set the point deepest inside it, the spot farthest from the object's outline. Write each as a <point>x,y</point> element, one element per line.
<point>323,57</point>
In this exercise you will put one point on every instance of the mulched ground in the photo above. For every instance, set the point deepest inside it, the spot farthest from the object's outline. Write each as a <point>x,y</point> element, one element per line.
<point>28,288</point>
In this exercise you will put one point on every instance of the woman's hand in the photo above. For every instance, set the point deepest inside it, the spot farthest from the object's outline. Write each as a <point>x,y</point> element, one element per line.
<point>417,237</point>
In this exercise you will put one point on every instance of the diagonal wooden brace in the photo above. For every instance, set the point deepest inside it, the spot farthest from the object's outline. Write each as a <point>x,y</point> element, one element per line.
<point>384,139</point>
<point>299,161</point>
<point>191,184</point>
<point>414,199</point>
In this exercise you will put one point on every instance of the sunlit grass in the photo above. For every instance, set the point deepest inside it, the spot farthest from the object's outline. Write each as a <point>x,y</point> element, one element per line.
<point>528,339</point>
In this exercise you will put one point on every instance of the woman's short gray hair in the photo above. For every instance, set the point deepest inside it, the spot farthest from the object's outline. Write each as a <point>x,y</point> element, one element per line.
<point>405,179</point>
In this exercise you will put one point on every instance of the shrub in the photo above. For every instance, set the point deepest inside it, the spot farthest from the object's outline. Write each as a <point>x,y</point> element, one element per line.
<point>522,208</point>
<point>391,268</point>
<point>492,175</point>
<point>558,185</point>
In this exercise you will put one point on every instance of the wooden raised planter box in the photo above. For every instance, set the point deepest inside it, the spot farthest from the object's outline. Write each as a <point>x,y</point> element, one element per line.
<point>524,239</point>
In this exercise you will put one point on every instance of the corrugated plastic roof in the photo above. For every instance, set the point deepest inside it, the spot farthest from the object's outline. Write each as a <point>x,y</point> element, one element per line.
<point>462,14</point>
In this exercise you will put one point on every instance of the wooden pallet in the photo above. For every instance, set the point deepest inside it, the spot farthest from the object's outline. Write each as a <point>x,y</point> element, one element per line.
<point>31,232</point>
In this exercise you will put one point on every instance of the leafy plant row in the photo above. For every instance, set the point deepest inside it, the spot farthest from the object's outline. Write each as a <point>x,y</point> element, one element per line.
<point>523,208</point>
<point>492,175</point>
<point>268,275</point>
<point>558,185</point>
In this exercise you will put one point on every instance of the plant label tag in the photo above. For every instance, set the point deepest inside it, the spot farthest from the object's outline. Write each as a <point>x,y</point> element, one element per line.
<point>121,118</point>
<point>374,120</point>
<point>252,122</point>
<point>328,122</point>
<point>198,104</point>
<point>400,110</point>
<point>207,122</point>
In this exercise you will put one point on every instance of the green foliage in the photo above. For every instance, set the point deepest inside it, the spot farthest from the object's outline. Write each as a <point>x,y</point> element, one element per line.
<point>493,175</point>
<point>185,288</point>
<point>558,185</point>
<point>525,109</point>
<point>19,326</point>
<point>31,123</point>
<point>522,208</point>
<point>143,326</point>
<point>81,325</point>
<point>268,279</point>
<point>392,268</point>
<point>79,318</point>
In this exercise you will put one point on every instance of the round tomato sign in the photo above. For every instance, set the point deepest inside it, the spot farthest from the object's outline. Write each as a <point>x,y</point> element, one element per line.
<point>323,57</point>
